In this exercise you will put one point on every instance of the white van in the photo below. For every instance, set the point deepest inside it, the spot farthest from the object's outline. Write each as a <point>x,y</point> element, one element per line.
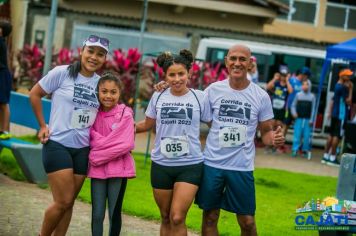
<point>269,56</point>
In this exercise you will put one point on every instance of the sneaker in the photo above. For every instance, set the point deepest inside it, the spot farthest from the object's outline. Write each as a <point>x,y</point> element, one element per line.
<point>294,153</point>
<point>5,135</point>
<point>325,158</point>
<point>335,163</point>
<point>307,154</point>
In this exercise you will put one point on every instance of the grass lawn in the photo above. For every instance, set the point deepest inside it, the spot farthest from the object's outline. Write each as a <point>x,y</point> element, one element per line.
<point>277,192</point>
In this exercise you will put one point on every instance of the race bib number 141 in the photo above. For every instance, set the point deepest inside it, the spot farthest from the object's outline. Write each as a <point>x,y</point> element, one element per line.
<point>82,118</point>
<point>232,136</point>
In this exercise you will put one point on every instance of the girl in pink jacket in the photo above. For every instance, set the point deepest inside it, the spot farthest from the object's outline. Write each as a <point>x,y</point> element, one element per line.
<point>110,160</point>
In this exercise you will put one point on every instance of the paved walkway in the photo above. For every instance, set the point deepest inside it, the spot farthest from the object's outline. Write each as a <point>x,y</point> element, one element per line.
<point>22,204</point>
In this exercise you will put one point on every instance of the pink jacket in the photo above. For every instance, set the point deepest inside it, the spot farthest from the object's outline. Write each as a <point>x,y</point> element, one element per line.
<point>111,140</point>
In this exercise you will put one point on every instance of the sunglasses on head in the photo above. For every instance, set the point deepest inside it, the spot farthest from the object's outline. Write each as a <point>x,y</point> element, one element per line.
<point>94,39</point>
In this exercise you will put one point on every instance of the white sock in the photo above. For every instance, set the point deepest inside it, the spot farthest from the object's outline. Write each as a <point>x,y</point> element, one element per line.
<point>326,156</point>
<point>332,157</point>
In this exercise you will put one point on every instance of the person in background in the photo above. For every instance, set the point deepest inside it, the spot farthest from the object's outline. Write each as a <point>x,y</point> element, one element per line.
<point>303,110</point>
<point>294,85</point>
<point>65,140</point>
<point>338,113</point>
<point>252,74</point>
<point>279,94</point>
<point>110,160</point>
<point>177,158</point>
<point>5,81</point>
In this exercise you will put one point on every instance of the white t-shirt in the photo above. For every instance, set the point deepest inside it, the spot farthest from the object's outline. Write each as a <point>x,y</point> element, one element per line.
<point>74,106</point>
<point>236,114</point>
<point>177,127</point>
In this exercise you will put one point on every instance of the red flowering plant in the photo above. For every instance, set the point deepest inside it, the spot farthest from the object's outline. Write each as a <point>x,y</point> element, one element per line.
<point>126,64</point>
<point>30,65</point>
<point>65,56</point>
<point>205,73</point>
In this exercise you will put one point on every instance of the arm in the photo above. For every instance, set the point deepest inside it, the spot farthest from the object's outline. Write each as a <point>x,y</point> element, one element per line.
<point>289,86</point>
<point>119,142</point>
<point>36,94</point>
<point>349,97</point>
<point>162,85</point>
<point>270,85</point>
<point>294,107</point>
<point>145,125</point>
<point>270,137</point>
<point>312,117</point>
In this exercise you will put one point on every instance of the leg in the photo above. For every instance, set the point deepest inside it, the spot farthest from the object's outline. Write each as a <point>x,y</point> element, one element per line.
<point>297,135</point>
<point>116,192</point>
<point>334,143</point>
<point>247,225</point>
<point>163,198</point>
<point>209,198</point>
<point>78,159</point>
<point>98,201</point>
<point>183,196</point>
<point>328,144</point>
<point>63,225</point>
<point>210,222</point>
<point>240,198</point>
<point>306,136</point>
<point>63,191</point>
<point>4,117</point>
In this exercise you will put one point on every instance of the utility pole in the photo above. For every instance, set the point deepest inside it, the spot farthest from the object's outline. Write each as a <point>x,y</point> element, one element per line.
<point>50,36</point>
<point>143,24</point>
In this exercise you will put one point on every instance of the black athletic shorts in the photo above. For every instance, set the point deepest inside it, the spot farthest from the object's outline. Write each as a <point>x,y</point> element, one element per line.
<point>56,157</point>
<point>336,128</point>
<point>164,177</point>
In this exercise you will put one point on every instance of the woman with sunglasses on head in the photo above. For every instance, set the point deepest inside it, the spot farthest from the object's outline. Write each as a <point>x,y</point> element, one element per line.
<point>66,139</point>
<point>177,160</point>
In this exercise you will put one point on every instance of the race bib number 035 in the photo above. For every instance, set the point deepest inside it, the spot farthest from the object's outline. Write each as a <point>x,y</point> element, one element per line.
<point>174,147</point>
<point>232,136</point>
<point>83,118</point>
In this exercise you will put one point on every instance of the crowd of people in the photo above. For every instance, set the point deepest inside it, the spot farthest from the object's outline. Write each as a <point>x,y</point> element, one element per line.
<point>91,134</point>
<point>294,103</point>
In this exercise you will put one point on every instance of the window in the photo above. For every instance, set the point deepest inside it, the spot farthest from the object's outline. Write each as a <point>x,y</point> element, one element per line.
<point>352,19</point>
<point>340,15</point>
<point>305,12</point>
<point>301,11</point>
<point>335,16</point>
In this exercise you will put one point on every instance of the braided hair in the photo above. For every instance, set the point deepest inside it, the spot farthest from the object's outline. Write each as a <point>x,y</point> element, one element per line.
<point>166,59</point>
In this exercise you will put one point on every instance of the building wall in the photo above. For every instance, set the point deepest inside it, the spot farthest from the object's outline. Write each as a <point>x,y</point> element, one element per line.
<point>316,33</point>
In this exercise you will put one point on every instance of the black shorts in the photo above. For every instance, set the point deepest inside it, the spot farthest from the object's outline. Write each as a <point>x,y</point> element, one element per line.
<point>56,157</point>
<point>279,114</point>
<point>288,118</point>
<point>164,177</point>
<point>336,128</point>
<point>5,86</point>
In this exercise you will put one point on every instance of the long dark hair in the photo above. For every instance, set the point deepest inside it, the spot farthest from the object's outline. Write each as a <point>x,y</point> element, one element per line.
<point>74,68</point>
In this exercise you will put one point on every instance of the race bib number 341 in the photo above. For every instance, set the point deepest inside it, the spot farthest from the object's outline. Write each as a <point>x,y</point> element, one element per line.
<point>174,147</point>
<point>232,136</point>
<point>82,118</point>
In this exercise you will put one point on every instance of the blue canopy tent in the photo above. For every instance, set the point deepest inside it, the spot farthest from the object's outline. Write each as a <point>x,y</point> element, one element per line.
<point>345,51</point>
